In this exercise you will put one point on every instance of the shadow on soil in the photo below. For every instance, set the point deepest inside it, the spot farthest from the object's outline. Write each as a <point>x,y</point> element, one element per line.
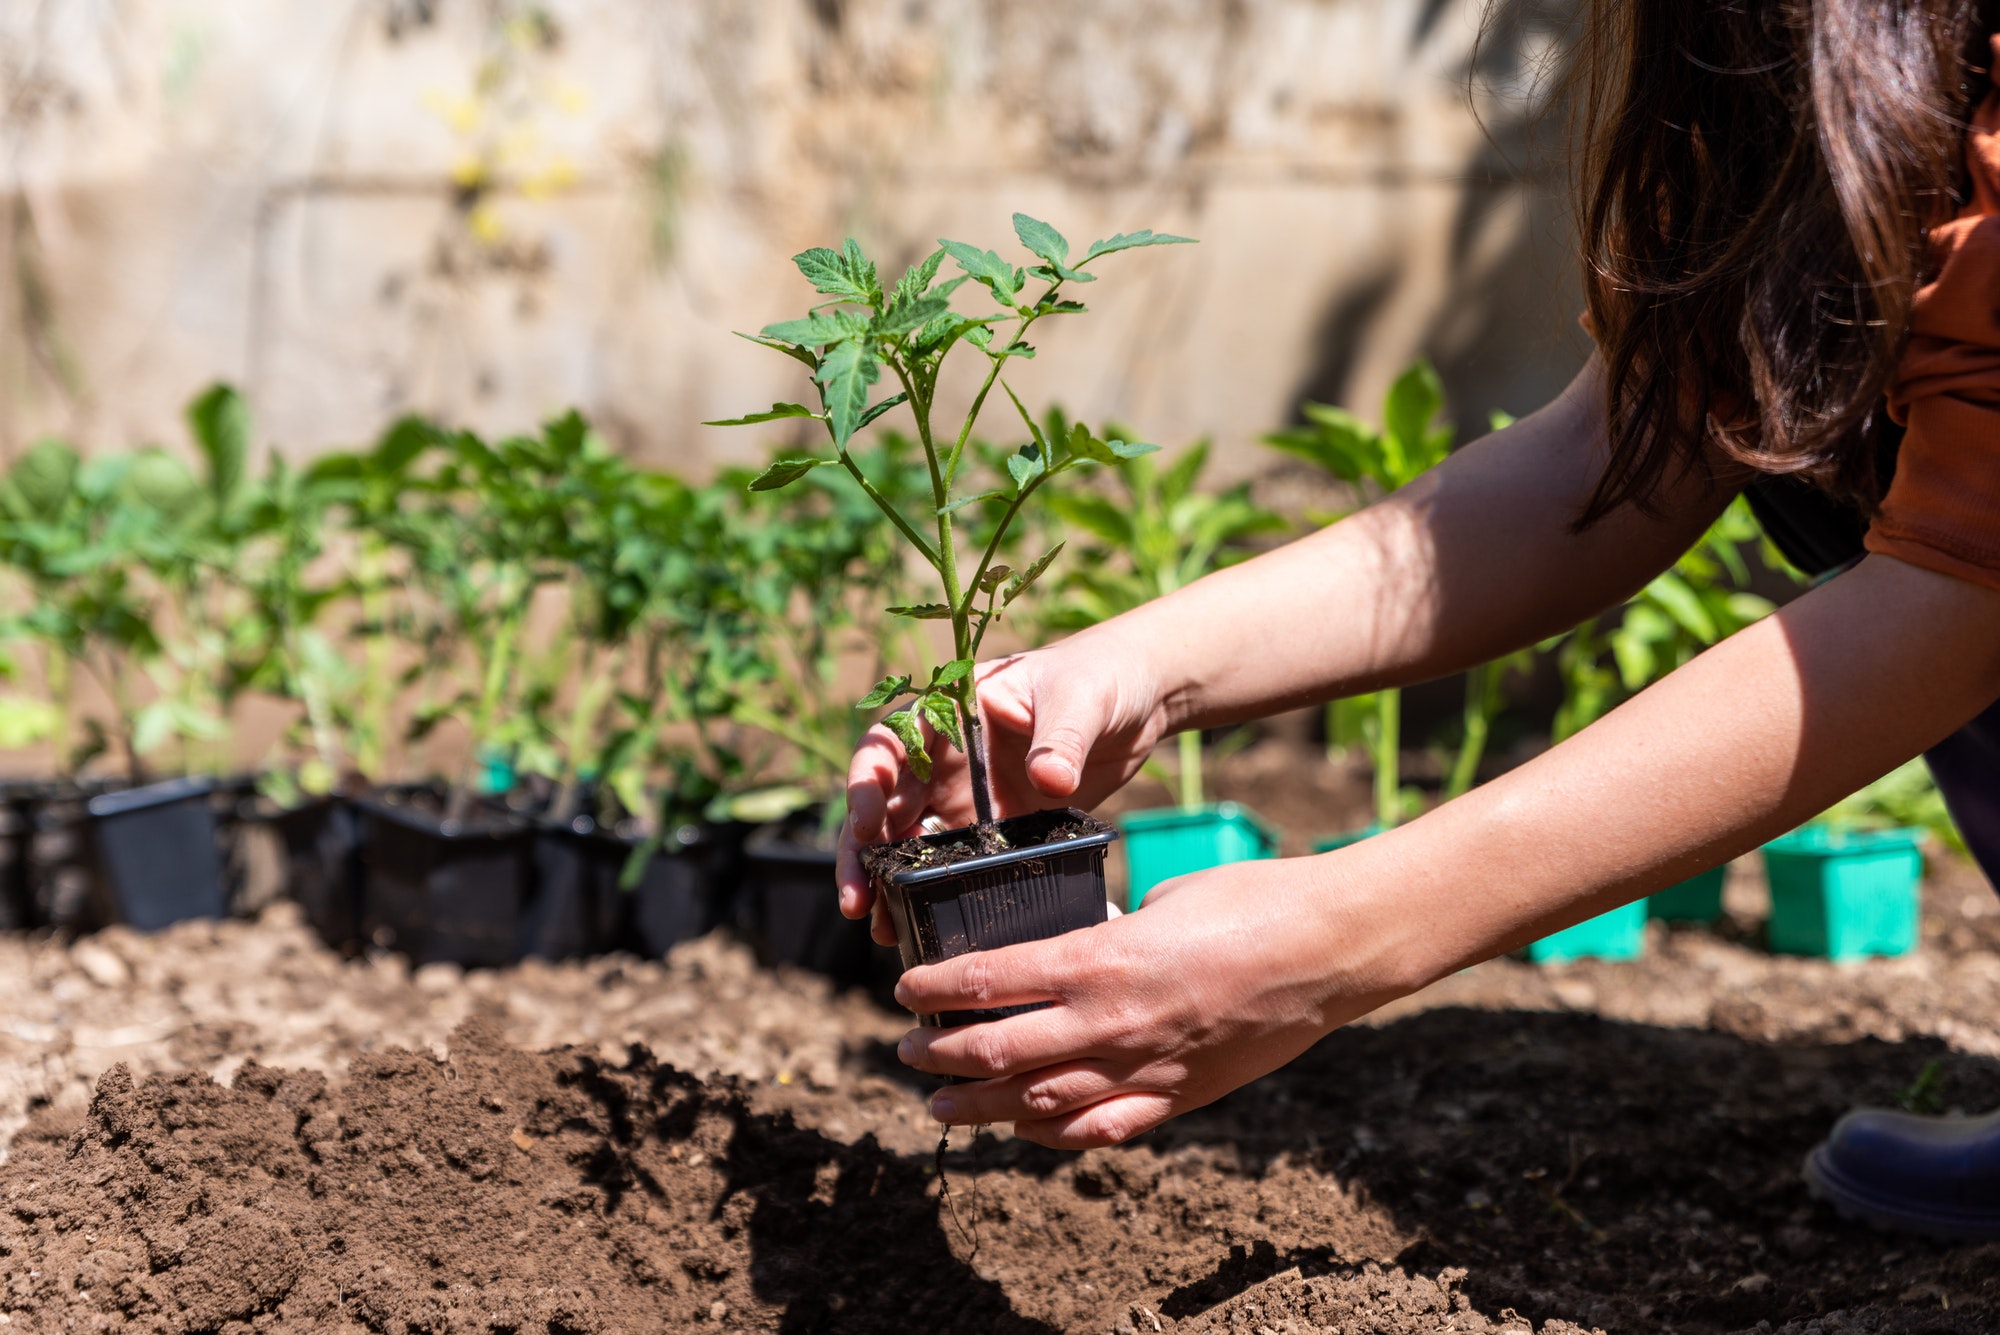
<point>1621,1175</point>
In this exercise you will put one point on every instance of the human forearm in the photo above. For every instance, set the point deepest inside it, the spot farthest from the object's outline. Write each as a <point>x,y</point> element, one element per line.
<point>1472,561</point>
<point>1753,737</point>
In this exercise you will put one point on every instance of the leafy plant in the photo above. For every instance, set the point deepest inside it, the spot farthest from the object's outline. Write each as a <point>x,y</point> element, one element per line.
<point>1904,798</point>
<point>1159,534</point>
<point>79,534</point>
<point>1702,599</point>
<point>908,331</point>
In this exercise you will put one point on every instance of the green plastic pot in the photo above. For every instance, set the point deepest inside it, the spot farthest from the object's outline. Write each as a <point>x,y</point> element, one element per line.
<point>1617,935</point>
<point>1173,841</point>
<point>1844,894</point>
<point>1697,899</point>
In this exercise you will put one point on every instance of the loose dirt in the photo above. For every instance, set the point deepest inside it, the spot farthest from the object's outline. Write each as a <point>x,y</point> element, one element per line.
<point>226,1128</point>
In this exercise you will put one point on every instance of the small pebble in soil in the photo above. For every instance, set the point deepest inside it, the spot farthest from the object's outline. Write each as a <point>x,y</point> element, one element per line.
<point>718,1311</point>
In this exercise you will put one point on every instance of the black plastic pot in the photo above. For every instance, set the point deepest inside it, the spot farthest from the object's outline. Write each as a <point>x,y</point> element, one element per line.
<point>792,911</point>
<point>322,844</point>
<point>17,828</point>
<point>62,874</point>
<point>444,891</point>
<point>581,905</point>
<point>156,853</point>
<point>1032,890</point>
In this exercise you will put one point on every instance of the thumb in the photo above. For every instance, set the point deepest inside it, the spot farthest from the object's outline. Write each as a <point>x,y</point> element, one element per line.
<point>1068,719</point>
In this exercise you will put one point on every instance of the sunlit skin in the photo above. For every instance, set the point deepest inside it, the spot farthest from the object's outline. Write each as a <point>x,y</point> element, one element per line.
<point>1230,973</point>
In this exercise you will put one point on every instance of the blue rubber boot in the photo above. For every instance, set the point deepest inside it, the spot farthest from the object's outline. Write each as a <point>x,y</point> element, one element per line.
<point>1935,1176</point>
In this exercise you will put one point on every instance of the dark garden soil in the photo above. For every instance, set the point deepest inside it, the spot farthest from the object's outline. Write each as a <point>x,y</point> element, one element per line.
<point>226,1128</point>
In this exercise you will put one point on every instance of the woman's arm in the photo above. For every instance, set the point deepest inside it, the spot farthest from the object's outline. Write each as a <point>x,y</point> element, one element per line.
<point>1472,561</point>
<point>1230,973</point>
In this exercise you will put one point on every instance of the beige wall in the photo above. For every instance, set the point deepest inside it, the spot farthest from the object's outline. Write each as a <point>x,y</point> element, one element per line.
<point>263,191</point>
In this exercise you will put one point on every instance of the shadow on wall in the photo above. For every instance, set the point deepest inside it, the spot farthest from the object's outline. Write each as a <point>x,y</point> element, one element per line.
<point>1505,335</point>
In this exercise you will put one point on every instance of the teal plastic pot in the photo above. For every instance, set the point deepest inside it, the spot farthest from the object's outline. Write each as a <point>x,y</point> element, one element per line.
<point>1844,894</point>
<point>1173,841</point>
<point>1697,899</point>
<point>1617,935</point>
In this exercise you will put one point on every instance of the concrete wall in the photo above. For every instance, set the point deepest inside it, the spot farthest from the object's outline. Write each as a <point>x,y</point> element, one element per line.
<point>488,209</point>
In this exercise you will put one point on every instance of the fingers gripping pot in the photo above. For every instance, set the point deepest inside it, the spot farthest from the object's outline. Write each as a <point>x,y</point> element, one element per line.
<point>953,893</point>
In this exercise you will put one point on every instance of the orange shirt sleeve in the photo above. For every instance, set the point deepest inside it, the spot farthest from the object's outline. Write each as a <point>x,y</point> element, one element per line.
<point>1942,511</point>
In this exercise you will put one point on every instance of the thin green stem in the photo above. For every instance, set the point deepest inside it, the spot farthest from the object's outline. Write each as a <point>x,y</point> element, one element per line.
<point>1478,723</point>
<point>1190,769</point>
<point>894,515</point>
<point>1388,741</point>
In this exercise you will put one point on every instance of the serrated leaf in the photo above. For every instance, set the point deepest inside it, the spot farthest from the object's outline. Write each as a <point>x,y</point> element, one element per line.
<point>885,690</point>
<point>839,273</point>
<point>904,724</point>
<point>817,330</point>
<point>920,277</point>
<point>1026,578</point>
<point>1111,245</point>
<point>1041,239</point>
<point>906,317</point>
<point>778,411</point>
<point>1002,279</point>
<point>797,354</point>
<point>994,574</point>
<point>845,374</point>
<point>923,611</point>
<point>942,714</point>
<point>784,472</point>
<point>951,672</point>
<point>1026,465</point>
<point>880,408</point>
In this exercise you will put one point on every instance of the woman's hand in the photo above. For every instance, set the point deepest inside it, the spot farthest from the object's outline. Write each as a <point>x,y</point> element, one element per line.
<point>1223,976</point>
<point>1065,726</point>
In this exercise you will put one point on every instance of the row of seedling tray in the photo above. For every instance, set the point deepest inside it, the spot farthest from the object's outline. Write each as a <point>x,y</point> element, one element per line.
<point>392,870</point>
<point>1835,893</point>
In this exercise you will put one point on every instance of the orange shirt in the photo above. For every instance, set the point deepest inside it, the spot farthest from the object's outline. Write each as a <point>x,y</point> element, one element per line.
<point>1942,511</point>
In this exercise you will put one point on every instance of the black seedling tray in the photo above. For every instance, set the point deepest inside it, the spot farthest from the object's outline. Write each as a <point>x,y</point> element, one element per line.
<point>793,910</point>
<point>444,891</point>
<point>322,842</point>
<point>17,829</point>
<point>1027,892</point>
<point>156,854</point>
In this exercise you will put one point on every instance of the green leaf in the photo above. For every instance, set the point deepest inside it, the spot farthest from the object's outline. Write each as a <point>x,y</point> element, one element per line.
<point>797,354</point>
<point>964,501</point>
<point>885,690</point>
<point>923,611</point>
<point>778,410</point>
<point>904,724</point>
<point>43,478</point>
<point>1041,239</point>
<point>845,374</point>
<point>1413,401</point>
<point>1680,602</point>
<point>906,317</point>
<point>920,277</point>
<point>1002,279</point>
<point>843,273</point>
<point>880,408</point>
<point>784,472</point>
<point>1102,516</point>
<point>1111,245</point>
<point>1026,465</point>
<point>1084,445</point>
<point>818,329</point>
<point>220,421</point>
<point>1026,578</point>
<point>942,713</point>
<point>951,672</point>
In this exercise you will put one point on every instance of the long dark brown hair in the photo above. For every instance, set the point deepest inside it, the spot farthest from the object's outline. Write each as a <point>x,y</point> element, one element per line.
<point>1755,181</point>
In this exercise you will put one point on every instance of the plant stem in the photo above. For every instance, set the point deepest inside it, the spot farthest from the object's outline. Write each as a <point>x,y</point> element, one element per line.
<point>59,675</point>
<point>1388,741</point>
<point>1478,723</point>
<point>1190,775</point>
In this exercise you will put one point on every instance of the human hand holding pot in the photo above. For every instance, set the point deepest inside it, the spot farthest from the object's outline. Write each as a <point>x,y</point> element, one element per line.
<point>1066,726</point>
<point>1223,976</point>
